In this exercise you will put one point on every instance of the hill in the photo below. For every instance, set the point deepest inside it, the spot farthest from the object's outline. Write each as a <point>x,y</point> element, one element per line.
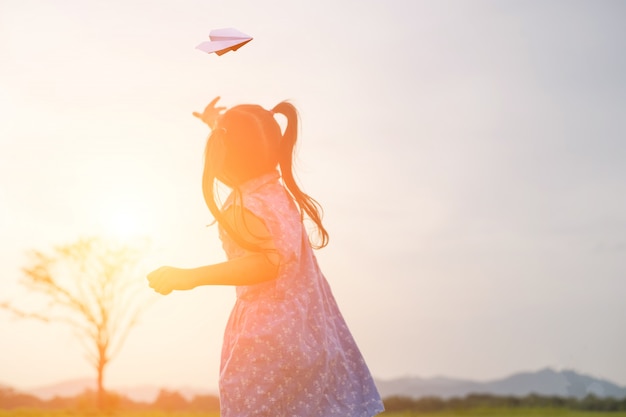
<point>546,382</point>
<point>566,383</point>
<point>141,393</point>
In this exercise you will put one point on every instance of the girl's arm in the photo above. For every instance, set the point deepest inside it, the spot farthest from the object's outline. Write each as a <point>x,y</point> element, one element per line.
<point>251,268</point>
<point>211,114</point>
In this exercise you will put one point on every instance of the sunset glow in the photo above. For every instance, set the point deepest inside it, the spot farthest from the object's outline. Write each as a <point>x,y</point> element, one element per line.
<point>126,219</point>
<point>469,157</point>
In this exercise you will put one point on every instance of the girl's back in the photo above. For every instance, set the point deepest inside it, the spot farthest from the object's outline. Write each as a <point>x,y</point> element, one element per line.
<point>287,350</point>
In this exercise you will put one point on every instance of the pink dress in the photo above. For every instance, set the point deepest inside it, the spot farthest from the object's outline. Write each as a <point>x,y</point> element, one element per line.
<point>287,350</point>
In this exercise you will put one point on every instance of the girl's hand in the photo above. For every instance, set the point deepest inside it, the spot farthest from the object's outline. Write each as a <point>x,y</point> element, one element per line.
<point>210,113</point>
<point>163,279</point>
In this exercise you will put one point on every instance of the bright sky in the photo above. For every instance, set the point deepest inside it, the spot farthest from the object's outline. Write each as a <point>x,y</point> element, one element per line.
<point>469,157</point>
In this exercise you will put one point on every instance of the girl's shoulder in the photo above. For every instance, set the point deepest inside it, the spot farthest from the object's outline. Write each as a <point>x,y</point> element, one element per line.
<point>271,206</point>
<point>261,183</point>
<point>265,196</point>
<point>270,200</point>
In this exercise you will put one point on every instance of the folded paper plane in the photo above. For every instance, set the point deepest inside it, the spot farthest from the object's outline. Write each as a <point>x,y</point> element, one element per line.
<point>224,40</point>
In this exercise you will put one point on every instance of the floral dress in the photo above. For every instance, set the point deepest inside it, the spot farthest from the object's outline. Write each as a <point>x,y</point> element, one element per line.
<point>287,350</point>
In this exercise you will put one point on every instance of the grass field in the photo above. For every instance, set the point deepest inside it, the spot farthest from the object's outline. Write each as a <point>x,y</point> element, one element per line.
<point>509,412</point>
<point>476,412</point>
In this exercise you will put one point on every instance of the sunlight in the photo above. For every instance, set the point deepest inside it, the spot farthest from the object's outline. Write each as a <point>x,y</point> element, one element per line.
<point>124,224</point>
<point>124,217</point>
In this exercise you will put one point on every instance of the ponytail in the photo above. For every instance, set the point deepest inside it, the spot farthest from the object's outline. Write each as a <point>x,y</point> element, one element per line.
<point>214,159</point>
<point>306,204</point>
<point>247,143</point>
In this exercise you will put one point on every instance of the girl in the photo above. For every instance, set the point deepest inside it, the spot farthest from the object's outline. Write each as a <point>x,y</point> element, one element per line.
<point>287,350</point>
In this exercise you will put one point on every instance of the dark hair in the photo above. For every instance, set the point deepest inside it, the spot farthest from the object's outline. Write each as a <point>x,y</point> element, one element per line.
<point>247,142</point>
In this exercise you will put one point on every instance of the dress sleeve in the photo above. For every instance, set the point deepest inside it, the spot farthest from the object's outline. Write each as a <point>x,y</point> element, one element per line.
<point>282,219</point>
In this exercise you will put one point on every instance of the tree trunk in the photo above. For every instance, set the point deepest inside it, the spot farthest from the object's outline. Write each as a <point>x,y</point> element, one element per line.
<point>101,394</point>
<point>100,397</point>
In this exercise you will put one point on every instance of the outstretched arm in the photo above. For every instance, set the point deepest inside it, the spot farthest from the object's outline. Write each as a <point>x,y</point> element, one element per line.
<point>251,268</point>
<point>247,270</point>
<point>211,114</point>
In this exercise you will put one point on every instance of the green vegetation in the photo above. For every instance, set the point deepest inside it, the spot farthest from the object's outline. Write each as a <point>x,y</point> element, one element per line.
<point>13,403</point>
<point>493,402</point>
<point>173,404</point>
<point>75,413</point>
<point>505,412</point>
<point>29,412</point>
<point>476,412</point>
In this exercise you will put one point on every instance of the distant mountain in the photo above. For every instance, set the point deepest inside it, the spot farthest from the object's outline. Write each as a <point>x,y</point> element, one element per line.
<point>547,381</point>
<point>142,393</point>
<point>148,393</point>
<point>69,388</point>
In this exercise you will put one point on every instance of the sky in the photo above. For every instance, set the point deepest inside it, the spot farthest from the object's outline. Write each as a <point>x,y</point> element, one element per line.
<point>468,156</point>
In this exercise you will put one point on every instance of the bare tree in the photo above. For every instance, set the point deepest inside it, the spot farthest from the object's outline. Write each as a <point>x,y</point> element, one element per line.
<point>90,285</point>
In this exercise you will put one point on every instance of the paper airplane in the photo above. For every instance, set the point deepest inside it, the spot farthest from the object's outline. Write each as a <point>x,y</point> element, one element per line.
<point>224,40</point>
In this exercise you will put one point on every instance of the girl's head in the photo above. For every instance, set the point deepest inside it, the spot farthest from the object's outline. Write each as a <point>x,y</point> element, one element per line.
<point>246,143</point>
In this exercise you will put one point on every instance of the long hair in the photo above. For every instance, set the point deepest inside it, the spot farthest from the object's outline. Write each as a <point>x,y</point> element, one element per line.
<point>246,143</point>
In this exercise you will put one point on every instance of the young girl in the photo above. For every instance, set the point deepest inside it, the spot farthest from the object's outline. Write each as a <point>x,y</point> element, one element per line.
<point>287,350</point>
